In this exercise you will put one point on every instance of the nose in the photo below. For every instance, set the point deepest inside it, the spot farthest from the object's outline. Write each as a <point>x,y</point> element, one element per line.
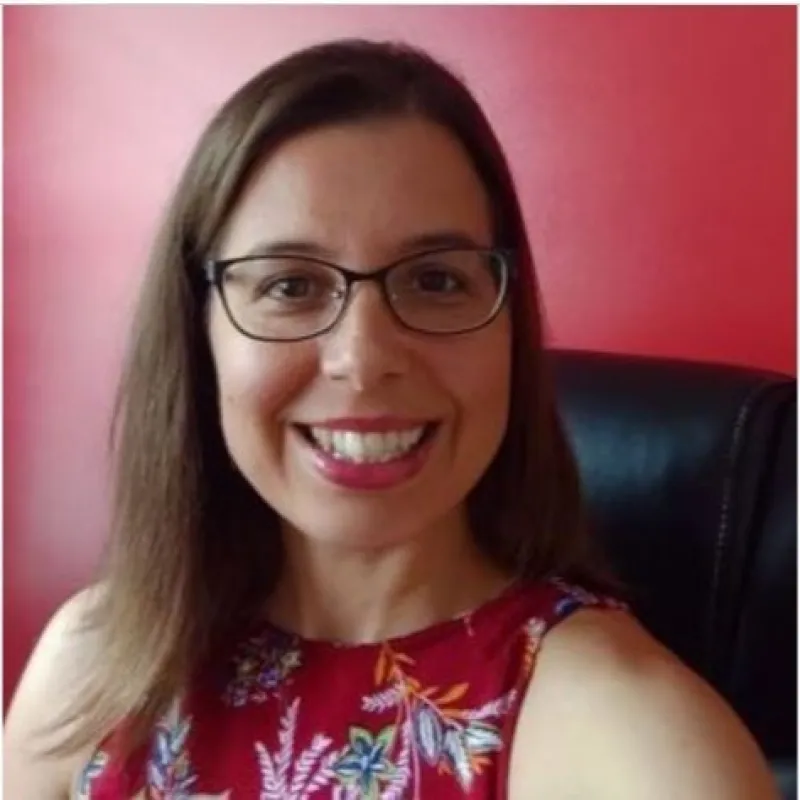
<point>366,347</point>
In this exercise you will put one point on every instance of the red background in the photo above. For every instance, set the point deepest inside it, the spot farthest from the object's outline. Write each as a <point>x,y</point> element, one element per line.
<point>654,148</point>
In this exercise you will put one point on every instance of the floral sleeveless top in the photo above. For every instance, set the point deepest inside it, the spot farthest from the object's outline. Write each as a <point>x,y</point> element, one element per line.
<point>430,715</point>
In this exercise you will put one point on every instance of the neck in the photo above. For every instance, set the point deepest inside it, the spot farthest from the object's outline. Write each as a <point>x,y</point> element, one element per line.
<point>357,595</point>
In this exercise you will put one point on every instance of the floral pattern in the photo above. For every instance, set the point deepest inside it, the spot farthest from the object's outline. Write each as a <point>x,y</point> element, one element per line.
<point>431,728</point>
<point>439,732</point>
<point>97,763</point>
<point>577,597</point>
<point>404,731</point>
<point>264,663</point>
<point>287,776</point>
<point>170,774</point>
<point>365,763</point>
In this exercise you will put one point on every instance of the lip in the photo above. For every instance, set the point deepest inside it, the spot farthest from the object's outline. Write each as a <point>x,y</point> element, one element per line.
<point>369,476</point>
<point>381,424</point>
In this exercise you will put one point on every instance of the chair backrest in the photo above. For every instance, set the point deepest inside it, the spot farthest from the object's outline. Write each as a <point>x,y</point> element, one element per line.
<point>690,475</point>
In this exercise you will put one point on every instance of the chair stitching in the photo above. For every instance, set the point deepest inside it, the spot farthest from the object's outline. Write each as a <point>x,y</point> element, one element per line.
<point>722,538</point>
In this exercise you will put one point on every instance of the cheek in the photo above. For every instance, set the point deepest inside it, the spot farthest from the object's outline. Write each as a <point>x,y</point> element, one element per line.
<point>250,377</point>
<point>487,372</point>
<point>479,379</point>
<point>257,382</point>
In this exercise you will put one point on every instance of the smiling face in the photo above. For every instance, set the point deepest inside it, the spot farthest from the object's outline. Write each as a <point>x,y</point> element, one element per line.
<point>370,433</point>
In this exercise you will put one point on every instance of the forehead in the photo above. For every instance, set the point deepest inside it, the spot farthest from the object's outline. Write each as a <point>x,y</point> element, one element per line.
<point>360,190</point>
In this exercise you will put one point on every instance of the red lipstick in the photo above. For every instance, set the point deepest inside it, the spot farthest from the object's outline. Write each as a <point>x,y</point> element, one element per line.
<point>370,476</point>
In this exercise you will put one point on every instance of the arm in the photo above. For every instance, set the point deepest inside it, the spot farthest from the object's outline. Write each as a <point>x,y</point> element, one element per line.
<point>48,683</point>
<point>611,714</point>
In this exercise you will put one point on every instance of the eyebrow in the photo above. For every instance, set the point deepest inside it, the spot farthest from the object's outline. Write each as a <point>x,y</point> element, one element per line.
<point>433,240</point>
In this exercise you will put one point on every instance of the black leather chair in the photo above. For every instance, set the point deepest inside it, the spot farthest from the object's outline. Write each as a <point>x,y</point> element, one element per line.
<point>690,475</point>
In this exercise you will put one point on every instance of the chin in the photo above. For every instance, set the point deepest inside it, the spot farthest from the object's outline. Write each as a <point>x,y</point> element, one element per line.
<point>361,528</point>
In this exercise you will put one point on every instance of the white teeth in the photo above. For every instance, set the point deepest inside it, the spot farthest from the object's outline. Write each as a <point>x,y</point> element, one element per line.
<point>373,445</point>
<point>393,440</point>
<point>366,447</point>
<point>324,438</point>
<point>408,439</point>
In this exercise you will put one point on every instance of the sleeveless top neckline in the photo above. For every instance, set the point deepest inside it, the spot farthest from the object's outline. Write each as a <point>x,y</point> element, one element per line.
<point>407,641</point>
<point>431,714</point>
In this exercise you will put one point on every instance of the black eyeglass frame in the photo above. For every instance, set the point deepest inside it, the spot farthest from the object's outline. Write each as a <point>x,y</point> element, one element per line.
<point>500,260</point>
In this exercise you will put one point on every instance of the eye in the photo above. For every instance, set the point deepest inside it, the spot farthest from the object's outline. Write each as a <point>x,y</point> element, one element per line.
<point>437,280</point>
<point>291,287</point>
<point>289,281</point>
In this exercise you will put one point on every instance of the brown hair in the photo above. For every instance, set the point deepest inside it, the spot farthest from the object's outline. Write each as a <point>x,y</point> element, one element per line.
<point>190,554</point>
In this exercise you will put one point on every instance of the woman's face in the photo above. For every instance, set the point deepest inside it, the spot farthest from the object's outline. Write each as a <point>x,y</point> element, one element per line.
<point>322,428</point>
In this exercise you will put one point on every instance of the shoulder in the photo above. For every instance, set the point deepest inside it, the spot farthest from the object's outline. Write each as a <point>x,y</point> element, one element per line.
<point>612,713</point>
<point>50,682</point>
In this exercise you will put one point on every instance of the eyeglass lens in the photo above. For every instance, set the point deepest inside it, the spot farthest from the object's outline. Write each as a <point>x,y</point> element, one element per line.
<point>288,297</point>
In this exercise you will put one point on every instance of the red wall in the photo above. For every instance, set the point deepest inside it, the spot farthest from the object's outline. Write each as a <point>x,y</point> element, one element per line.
<point>654,150</point>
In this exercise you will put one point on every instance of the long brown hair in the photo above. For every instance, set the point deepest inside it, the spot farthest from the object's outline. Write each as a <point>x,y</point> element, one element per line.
<point>193,551</point>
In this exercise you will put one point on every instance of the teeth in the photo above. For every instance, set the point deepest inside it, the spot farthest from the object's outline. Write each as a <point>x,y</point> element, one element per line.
<point>366,447</point>
<point>324,438</point>
<point>408,439</point>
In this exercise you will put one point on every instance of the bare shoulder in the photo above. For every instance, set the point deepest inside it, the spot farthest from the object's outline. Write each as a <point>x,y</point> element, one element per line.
<point>610,713</point>
<point>52,676</point>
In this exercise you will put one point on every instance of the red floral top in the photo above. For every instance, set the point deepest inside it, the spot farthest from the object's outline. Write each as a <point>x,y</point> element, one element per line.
<point>429,715</point>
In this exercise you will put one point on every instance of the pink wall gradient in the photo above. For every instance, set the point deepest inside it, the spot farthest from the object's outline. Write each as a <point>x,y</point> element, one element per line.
<point>654,150</point>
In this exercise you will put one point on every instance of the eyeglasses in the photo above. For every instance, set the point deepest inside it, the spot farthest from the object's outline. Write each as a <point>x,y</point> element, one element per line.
<point>287,298</point>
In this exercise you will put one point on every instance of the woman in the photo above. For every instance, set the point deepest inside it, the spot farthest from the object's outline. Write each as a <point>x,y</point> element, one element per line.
<point>347,523</point>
